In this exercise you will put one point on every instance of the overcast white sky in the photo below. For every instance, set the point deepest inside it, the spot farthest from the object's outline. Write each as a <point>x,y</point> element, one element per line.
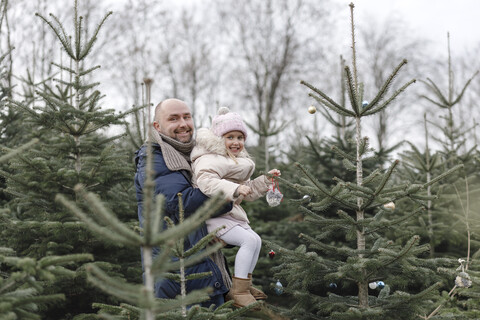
<point>431,18</point>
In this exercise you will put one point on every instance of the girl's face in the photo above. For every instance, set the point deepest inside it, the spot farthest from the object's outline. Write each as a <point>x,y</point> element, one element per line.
<point>234,142</point>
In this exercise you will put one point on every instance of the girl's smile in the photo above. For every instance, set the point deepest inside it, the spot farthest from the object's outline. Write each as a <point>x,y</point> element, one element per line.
<point>234,142</point>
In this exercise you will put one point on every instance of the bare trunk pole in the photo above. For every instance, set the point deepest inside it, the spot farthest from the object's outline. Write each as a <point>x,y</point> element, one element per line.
<point>363,285</point>
<point>147,262</point>
<point>78,163</point>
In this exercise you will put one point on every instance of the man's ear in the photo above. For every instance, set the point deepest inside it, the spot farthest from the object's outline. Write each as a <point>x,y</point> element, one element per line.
<point>156,125</point>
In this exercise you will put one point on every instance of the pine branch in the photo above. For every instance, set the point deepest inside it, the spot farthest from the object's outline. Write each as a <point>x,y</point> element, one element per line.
<point>313,147</point>
<point>192,222</point>
<point>60,33</point>
<point>454,102</point>
<point>387,102</point>
<point>194,258</point>
<point>203,243</point>
<point>343,154</point>
<point>162,262</point>
<point>196,296</point>
<point>399,255</point>
<point>395,222</point>
<point>352,91</point>
<point>332,120</point>
<point>11,153</point>
<point>48,261</point>
<point>443,175</point>
<point>116,287</point>
<point>101,231</point>
<point>444,102</point>
<point>64,68</point>
<point>331,104</point>
<point>324,191</point>
<point>343,251</point>
<point>363,190</point>
<point>43,299</point>
<point>381,185</point>
<point>88,46</point>
<point>107,217</point>
<point>385,87</point>
<point>372,176</point>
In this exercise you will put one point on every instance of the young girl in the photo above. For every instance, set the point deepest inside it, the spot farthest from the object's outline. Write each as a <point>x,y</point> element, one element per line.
<point>221,164</point>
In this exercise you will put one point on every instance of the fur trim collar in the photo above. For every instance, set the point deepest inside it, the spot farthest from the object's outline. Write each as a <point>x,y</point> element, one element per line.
<point>207,142</point>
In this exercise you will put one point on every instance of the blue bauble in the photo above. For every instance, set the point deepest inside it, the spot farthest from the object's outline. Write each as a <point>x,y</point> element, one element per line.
<point>380,284</point>
<point>278,288</point>
<point>333,285</point>
<point>364,103</point>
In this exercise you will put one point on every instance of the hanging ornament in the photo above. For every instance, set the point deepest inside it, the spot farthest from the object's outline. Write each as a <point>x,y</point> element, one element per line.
<point>312,109</point>
<point>462,280</point>
<point>278,288</point>
<point>271,254</point>
<point>364,103</point>
<point>389,205</point>
<point>306,197</point>
<point>372,285</point>
<point>274,196</point>
<point>333,286</point>
<point>380,284</point>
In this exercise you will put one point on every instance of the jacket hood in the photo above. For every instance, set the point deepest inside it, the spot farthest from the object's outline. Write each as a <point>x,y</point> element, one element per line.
<point>207,142</point>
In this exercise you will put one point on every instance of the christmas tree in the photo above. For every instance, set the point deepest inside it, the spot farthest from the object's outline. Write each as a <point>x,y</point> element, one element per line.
<point>451,221</point>
<point>72,149</point>
<point>347,267</point>
<point>22,278</point>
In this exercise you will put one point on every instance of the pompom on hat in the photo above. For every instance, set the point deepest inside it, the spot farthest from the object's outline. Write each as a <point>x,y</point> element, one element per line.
<point>226,121</point>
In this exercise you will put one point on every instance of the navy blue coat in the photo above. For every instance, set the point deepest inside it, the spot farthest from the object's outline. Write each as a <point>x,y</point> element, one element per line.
<point>169,183</point>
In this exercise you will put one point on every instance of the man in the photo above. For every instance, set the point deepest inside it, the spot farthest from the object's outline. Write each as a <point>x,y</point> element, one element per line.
<point>172,142</point>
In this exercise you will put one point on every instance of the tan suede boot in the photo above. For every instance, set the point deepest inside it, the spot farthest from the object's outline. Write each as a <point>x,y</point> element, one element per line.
<point>241,293</point>
<point>256,293</point>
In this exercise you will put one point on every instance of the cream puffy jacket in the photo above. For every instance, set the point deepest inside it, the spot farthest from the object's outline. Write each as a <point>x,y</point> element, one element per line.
<point>215,171</point>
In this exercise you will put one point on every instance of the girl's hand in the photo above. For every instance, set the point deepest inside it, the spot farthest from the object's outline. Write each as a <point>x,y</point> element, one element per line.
<point>244,190</point>
<point>275,172</point>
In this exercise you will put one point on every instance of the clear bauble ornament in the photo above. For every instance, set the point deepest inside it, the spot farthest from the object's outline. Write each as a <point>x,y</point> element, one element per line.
<point>274,197</point>
<point>463,280</point>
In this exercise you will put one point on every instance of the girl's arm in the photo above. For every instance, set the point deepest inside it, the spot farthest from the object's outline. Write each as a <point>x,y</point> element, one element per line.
<point>209,178</point>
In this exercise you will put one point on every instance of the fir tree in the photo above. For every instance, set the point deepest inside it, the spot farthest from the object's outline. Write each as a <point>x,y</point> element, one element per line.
<point>452,221</point>
<point>454,136</point>
<point>68,122</point>
<point>348,268</point>
<point>22,278</point>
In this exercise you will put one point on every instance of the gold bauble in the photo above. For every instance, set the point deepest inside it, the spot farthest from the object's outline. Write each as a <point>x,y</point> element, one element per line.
<point>389,205</point>
<point>312,109</point>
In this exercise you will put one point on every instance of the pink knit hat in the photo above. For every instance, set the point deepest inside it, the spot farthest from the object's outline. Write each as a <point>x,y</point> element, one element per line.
<point>226,121</point>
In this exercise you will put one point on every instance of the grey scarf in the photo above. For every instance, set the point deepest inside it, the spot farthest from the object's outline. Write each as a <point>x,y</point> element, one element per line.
<point>175,153</point>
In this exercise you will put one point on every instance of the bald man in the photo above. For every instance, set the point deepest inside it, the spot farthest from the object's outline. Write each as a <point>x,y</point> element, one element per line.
<point>172,142</point>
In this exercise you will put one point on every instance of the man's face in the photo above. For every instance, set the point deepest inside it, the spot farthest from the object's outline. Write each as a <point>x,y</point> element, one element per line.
<point>175,120</point>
